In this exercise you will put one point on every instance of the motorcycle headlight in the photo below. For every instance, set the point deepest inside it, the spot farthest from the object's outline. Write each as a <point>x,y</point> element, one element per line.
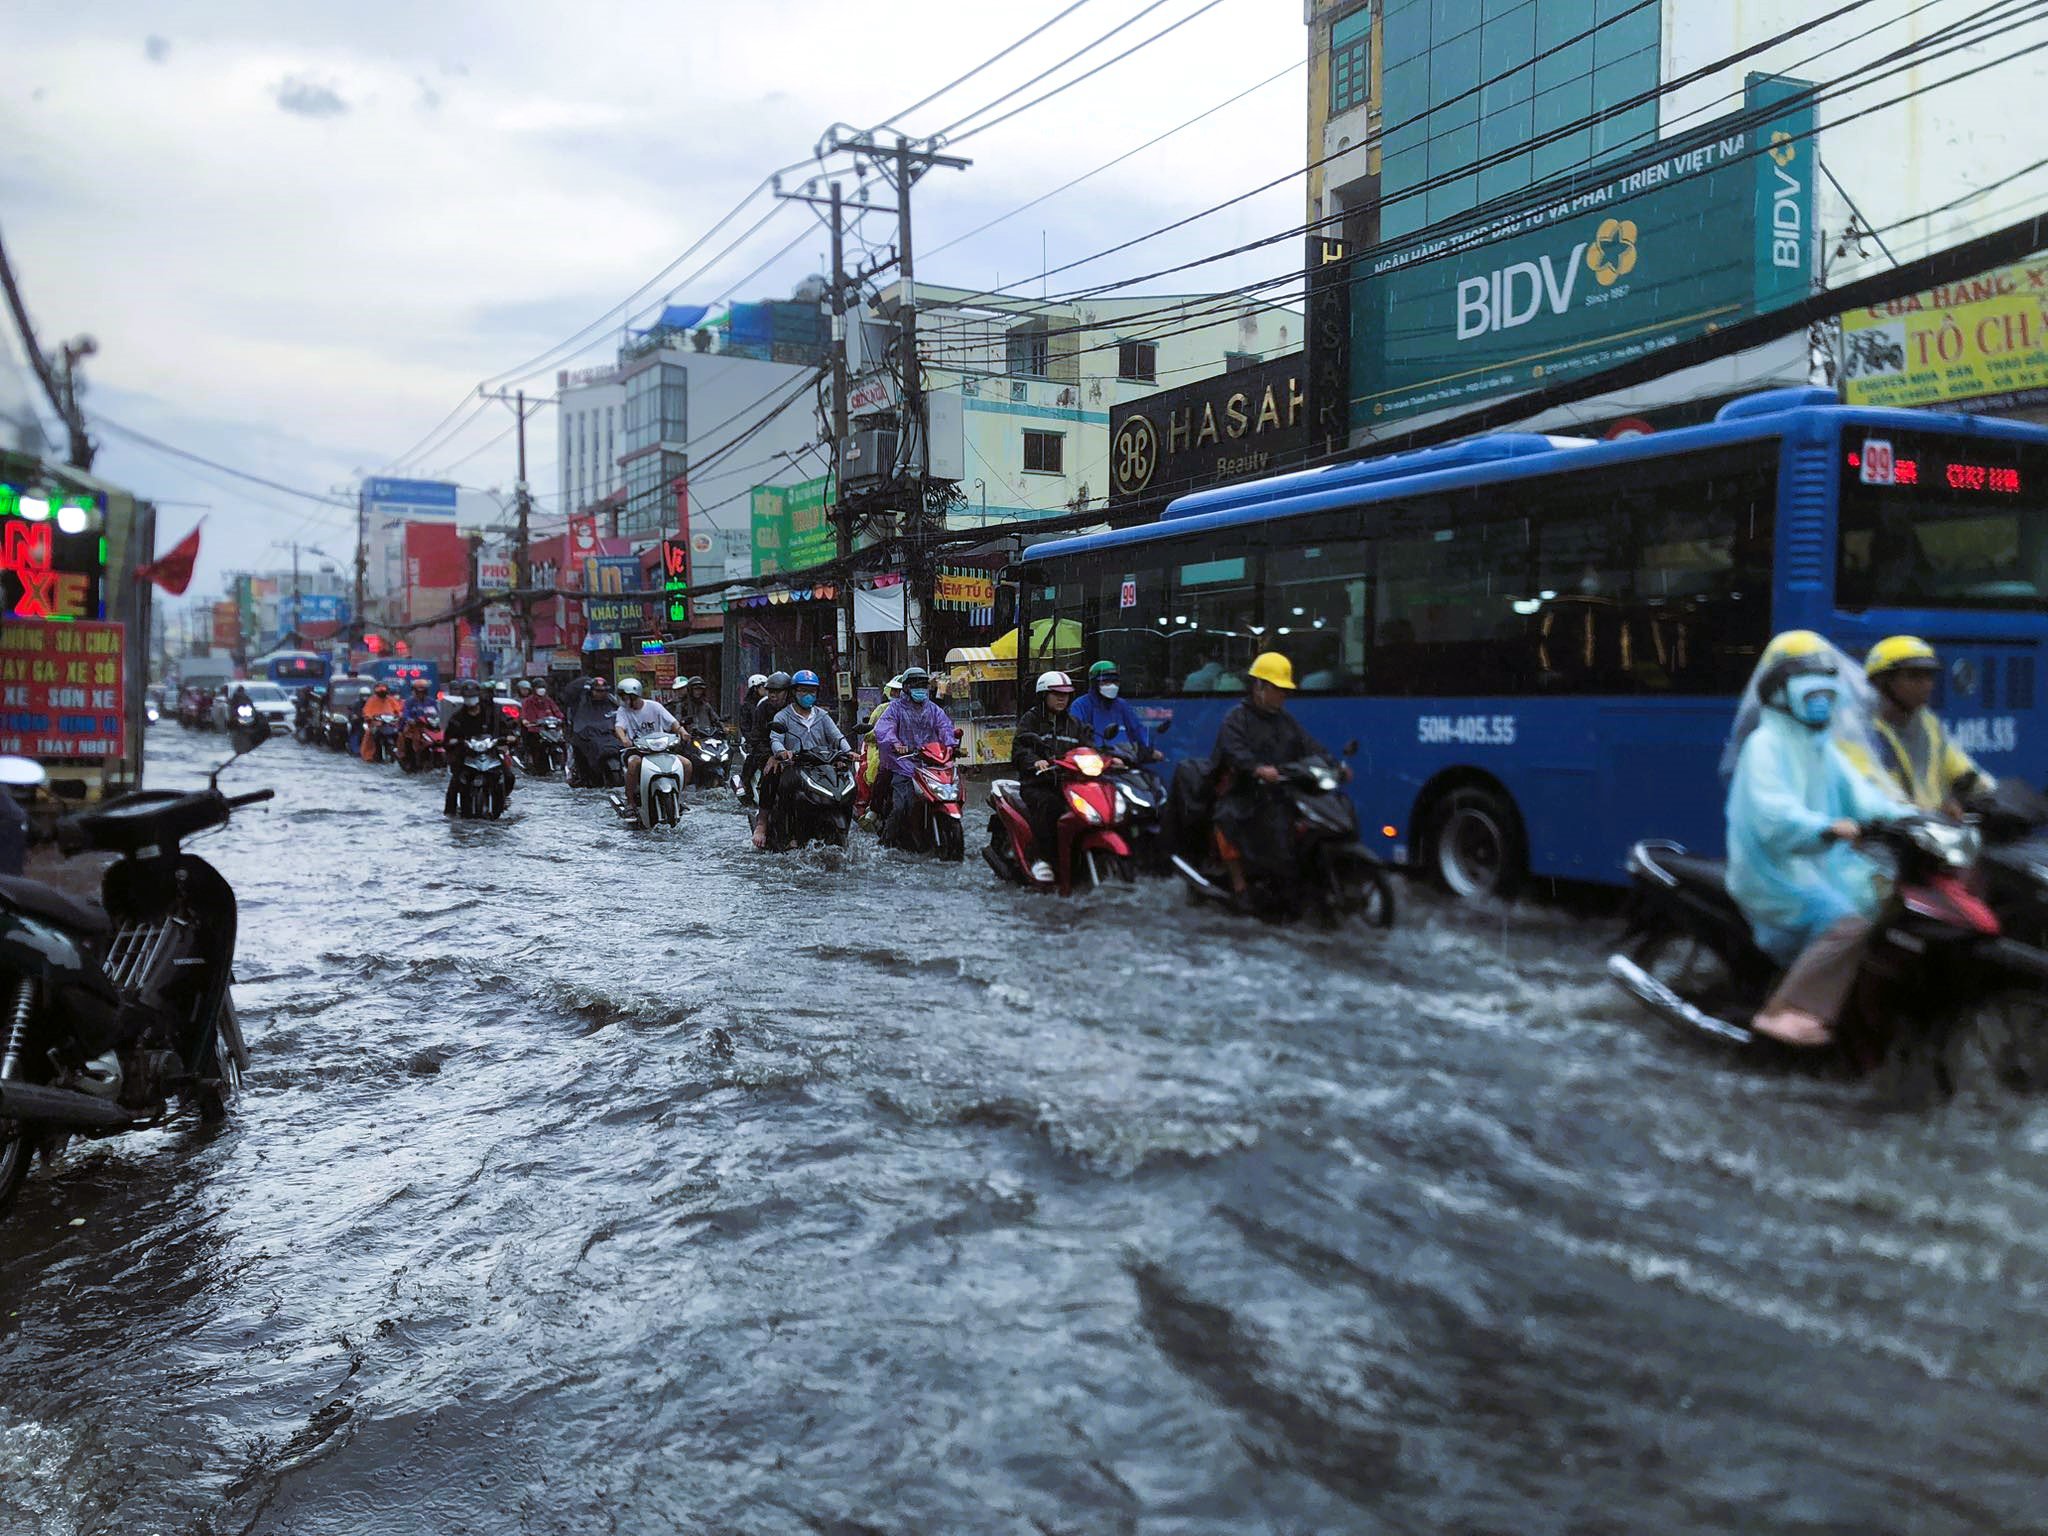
<point>1085,807</point>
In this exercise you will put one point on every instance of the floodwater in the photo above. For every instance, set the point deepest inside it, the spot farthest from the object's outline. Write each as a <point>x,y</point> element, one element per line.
<point>590,1181</point>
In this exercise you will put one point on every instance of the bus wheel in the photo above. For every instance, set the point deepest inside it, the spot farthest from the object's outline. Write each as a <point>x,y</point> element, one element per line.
<point>1476,848</point>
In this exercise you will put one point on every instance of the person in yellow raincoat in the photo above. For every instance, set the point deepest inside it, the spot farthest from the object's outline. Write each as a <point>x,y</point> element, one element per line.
<point>1905,748</point>
<point>871,755</point>
<point>378,706</point>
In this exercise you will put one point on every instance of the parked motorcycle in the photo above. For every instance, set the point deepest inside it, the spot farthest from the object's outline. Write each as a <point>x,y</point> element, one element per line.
<point>543,748</point>
<point>1091,838</point>
<point>479,778</point>
<point>932,824</point>
<point>660,803</point>
<point>1327,871</point>
<point>421,747</point>
<point>813,801</point>
<point>112,1011</point>
<point>1937,959</point>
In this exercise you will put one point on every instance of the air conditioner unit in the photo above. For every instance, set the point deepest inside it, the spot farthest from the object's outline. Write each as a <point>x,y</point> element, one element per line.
<point>871,455</point>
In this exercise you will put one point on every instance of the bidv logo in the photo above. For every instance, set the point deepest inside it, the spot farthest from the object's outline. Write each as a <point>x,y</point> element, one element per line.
<point>1514,295</point>
<point>1788,220</point>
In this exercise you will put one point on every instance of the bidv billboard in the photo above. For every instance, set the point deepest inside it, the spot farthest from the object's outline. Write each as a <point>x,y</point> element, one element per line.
<point>1593,270</point>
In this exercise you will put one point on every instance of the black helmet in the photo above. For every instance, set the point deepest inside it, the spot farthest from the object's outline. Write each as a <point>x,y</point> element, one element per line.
<point>778,682</point>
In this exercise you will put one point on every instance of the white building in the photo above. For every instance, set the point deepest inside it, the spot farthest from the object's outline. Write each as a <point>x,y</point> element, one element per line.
<point>1035,381</point>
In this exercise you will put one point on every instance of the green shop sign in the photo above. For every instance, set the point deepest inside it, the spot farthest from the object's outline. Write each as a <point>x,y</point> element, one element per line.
<point>1596,270</point>
<point>792,526</point>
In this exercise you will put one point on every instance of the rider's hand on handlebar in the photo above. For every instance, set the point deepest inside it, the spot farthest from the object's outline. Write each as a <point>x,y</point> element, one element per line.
<point>1267,772</point>
<point>1041,766</point>
<point>1844,831</point>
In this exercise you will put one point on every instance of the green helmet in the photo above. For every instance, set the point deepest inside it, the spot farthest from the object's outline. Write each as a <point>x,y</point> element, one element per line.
<point>1102,668</point>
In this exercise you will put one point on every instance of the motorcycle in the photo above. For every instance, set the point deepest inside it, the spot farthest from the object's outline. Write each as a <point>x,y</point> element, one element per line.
<point>1937,957</point>
<point>111,1011</point>
<point>813,801</point>
<point>1091,837</point>
<point>336,730</point>
<point>2014,868</point>
<point>543,748</point>
<point>479,778</point>
<point>661,784</point>
<point>1327,870</point>
<point>421,747</point>
<point>932,824</point>
<point>384,739</point>
<point>711,761</point>
<point>1142,803</point>
<point>152,712</point>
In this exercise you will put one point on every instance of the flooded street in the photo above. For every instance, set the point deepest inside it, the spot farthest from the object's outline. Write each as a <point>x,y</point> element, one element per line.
<point>596,1181</point>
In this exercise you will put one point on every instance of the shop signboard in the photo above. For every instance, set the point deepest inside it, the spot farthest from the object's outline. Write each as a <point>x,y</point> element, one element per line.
<point>1609,265</point>
<point>771,529</point>
<point>1981,342</point>
<point>499,634</point>
<point>227,625</point>
<point>52,554</point>
<point>812,540</point>
<point>494,574</point>
<point>1249,422</point>
<point>60,689</point>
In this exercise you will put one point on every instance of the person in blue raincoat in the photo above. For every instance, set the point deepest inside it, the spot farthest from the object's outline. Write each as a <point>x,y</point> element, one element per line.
<point>1795,803</point>
<point>1100,708</point>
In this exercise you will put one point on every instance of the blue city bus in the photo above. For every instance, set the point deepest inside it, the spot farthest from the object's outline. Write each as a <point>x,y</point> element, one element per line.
<point>1538,642</point>
<point>293,669</point>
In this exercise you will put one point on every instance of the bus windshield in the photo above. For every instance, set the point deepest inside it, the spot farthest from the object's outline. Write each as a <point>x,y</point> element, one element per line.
<point>1935,520</point>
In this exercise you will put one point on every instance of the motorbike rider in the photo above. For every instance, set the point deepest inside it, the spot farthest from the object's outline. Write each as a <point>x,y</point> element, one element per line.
<point>1101,707</point>
<point>476,717</point>
<point>593,716</point>
<point>871,755</point>
<point>535,706</point>
<point>1908,752</point>
<point>1257,740</point>
<point>380,705</point>
<point>904,726</point>
<point>797,727</point>
<point>1045,733</point>
<point>695,709</point>
<point>1795,805</point>
<point>755,730</point>
<point>640,716</point>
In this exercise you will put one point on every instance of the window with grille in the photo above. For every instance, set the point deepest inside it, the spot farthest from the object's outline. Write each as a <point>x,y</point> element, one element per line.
<point>1044,452</point>
<point>1350,60</point>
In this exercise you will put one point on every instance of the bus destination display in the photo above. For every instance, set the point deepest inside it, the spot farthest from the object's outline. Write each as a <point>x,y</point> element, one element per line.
<point>1881,461</point>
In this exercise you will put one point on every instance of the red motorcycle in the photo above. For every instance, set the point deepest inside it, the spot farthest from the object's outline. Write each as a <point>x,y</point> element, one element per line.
<point>420,747</point>
<point>1089,839</point>
<point>932,824</point>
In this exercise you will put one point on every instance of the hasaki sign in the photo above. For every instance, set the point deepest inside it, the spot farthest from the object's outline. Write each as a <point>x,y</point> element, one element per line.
<point>1249,422</point>
<point>60,690</point>
<point>1981,343</point>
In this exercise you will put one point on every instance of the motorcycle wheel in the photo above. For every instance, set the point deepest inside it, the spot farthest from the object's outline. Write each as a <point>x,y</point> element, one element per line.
<point>666,812</point>
<point>226,1056</point>
<point>951,839</point>
<point>1369,898</point>
<point>2009,1030</point>
<point>1691,968</point>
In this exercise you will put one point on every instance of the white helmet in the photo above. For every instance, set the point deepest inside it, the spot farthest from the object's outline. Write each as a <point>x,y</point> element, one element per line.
<point>629,687</point>
<point>894,685</point>
<point>1047,681</point>
<point>758,680</point>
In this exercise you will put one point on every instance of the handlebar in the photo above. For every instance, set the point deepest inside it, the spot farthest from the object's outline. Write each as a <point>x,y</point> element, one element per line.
<point>254,797</point>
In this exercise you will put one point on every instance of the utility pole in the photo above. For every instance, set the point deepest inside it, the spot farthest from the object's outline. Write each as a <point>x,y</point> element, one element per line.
<point>355,625</point>
<point>522,563</point>
<point>848,646</point>
<point>59,381</point>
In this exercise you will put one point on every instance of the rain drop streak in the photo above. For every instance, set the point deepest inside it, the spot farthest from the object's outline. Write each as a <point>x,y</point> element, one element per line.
<point>595,1181</point>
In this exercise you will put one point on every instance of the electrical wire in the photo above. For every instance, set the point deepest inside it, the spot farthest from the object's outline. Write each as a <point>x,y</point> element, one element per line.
<point>995,58</point>
<point>1045,74</point>
<point>226,469</point>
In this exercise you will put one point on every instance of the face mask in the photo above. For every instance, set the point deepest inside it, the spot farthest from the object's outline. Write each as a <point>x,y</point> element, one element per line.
<point>1109,690</point>
<point>1811,700</point>
<point>919,695</point>
<point>806,700</point>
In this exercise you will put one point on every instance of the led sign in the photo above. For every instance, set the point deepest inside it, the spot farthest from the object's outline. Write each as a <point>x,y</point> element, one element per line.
<point>52,555</point>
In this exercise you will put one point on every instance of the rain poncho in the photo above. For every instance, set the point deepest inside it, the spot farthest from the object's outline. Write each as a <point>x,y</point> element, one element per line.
<point>1789,783</point>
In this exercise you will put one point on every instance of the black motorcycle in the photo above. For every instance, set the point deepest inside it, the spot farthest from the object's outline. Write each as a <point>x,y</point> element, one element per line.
<point>2014,868</point>
<point>1937,958</point>
<point>813,801</point>
<point>1327,871</point>
<point>479,778</point>
<point>711,761</point>
<point>597,764</point>
<point>336,730</point>
<point>111,1011</point>
<point>1143,799</point>
<point>543,748</point>
<point>384,738</point>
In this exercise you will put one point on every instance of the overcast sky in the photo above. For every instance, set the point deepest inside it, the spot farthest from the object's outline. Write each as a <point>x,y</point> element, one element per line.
<point>302,233</point>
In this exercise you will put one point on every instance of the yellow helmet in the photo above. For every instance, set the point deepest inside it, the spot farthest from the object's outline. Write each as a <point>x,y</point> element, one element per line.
<point>1272,667</point>
<point>1792,644</point>
<point>1900,653</point>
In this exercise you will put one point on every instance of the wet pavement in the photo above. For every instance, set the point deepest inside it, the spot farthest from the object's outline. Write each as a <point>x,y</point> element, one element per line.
<point>596,1181</point>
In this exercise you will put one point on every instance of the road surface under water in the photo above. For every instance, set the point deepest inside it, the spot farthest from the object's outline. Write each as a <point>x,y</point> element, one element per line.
<point>594,1181</point>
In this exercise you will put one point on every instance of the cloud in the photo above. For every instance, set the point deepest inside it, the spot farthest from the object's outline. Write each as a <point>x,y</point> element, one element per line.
<point>305,96</point>
<point>429,98</point>
<point>156,49</point>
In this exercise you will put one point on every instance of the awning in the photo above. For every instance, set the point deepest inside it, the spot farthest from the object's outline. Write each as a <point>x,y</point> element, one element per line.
<point>1065,633</point>
<point>961,653</point>
<point>980,664</point>
<point>696,642</point>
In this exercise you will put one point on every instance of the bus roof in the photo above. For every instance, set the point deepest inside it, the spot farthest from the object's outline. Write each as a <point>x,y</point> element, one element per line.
<point>1506,456</point>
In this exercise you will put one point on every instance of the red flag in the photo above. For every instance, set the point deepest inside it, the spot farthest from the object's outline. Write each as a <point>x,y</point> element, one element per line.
<point>174,571</point>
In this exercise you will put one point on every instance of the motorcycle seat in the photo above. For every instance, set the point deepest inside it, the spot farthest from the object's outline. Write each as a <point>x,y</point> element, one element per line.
<point>32,898</point>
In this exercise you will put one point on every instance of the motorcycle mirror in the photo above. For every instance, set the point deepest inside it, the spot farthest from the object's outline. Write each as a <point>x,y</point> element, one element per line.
<point>1351,747</point>
<point>1109,734</point>
<point>1163,728</point>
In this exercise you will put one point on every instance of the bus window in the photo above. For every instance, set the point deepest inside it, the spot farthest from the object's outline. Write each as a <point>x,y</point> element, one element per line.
<point>1131,625</point>
<point>1702,579</point>
<point>1316,613</point>
<point>1450,608</point>
<point>1962,524</point>
<point>1211,635</point>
